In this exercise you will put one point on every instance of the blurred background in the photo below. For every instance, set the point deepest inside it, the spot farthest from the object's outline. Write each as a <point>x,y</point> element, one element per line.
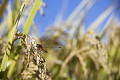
<point>88,32</point>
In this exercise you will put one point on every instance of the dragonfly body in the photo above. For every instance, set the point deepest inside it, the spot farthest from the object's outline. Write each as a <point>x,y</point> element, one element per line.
<point>39,46</point>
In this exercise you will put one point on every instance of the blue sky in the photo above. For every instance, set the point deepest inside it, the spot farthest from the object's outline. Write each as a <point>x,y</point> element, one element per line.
<point>64,8</point>
<point>55,7</point>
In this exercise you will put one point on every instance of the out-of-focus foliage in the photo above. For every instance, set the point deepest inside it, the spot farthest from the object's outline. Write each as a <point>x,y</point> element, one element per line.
<point>83,56</point>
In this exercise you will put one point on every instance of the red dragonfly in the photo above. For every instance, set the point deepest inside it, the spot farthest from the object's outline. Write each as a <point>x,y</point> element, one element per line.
<point>39,46</point>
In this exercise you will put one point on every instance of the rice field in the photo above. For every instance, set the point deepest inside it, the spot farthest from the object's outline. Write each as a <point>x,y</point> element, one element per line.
<point>82,54</point>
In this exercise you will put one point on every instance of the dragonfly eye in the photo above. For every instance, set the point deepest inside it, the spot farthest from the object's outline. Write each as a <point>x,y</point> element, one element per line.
<point>39,46</point>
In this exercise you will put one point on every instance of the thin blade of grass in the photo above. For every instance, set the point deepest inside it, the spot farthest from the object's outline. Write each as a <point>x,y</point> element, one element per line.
<point>2,7</point>
<point>9,15</point>
<point>77,24</point>
<point>31,17</point>
<point>16,10</point>
<point>75,12</point>
<point>72,16</point>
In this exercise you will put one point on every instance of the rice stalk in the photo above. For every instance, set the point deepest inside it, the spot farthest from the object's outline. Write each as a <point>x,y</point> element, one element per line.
<point>25,32</point>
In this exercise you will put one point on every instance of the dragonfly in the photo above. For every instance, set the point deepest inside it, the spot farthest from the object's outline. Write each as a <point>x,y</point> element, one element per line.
<point>40,47</point>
